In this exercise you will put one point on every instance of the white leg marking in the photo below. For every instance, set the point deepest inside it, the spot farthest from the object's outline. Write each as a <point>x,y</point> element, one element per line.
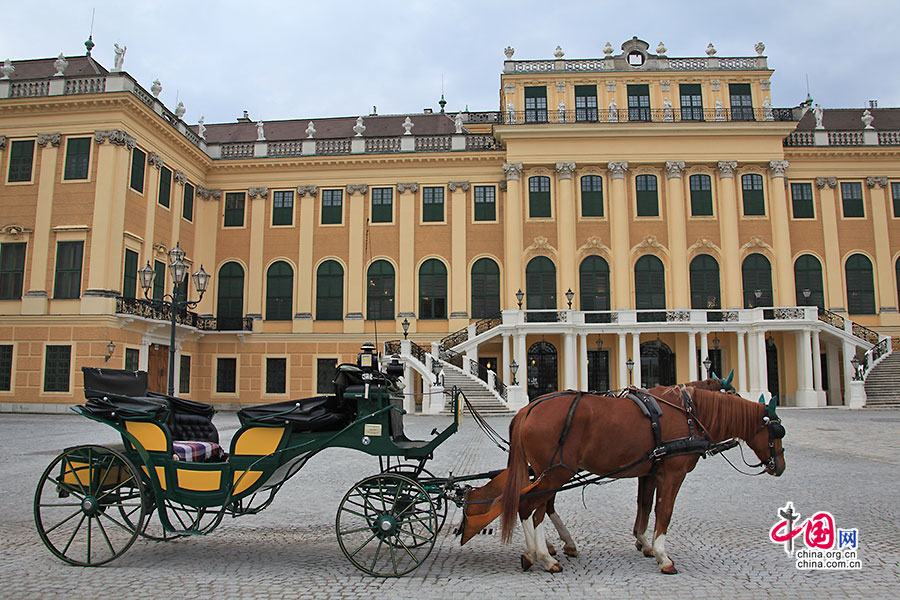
<point>659,550</point>
<point>541,546</point>
<point>642,539</point>
<point>564,534</point>
<point>528,528</point>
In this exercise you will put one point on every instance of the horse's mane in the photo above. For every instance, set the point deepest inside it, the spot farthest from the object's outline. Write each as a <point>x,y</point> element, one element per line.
<point>727,415</point>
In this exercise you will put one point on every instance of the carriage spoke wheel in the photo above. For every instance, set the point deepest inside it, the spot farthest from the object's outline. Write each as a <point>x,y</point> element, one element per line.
<point>80,503</point>
<point>386,525</point>
<point>153,528</point>
<point>426,479</point>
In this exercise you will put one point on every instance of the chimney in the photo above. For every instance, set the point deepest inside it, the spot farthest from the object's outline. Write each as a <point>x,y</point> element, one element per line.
<point>245,118</point>
<point>873,103</point>
<point>428,111</point>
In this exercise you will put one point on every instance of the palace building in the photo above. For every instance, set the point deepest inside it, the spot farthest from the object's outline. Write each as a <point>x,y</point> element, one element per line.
<point>632,219</point>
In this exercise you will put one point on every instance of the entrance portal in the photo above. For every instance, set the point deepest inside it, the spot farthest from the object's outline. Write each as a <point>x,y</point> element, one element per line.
<point>542,369</point>
<point>657,364</point>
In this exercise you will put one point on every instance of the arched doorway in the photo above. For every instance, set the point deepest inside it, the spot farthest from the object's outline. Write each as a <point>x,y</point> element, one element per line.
<point>772,368</point>
<point>542,369</point>
<point>657,364</point>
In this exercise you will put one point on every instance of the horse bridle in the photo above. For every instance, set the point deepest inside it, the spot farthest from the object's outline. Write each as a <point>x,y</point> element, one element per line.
<point>776,432</point>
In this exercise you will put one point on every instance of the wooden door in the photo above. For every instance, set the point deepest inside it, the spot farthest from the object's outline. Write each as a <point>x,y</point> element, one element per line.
<point>157,368</point>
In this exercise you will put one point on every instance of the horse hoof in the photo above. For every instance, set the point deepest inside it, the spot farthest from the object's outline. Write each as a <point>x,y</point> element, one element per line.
<point>648,552</point>
<point>551,549</point>
<point>526,562</point>
<point>570,551</point>
<point>554,568</point>
<point>669,570</point>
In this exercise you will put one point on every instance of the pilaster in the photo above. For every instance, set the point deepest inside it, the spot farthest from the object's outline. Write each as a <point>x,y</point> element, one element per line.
<point>728,232</point>
<point>356,199</point>
<point>784,267</point>
<point>512,230</point>
<point>619,237</point>
<point>406,283</point>
<point>34,300</point>
<point>306,196</point>
<point>565,226</point>
<point>257,197</point>
<point>833,268</point>
<point>884,271</point>
<point>677,230</point>
<point>458,316</point>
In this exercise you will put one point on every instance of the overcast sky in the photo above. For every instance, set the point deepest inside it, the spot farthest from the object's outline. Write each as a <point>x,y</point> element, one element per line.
<point>302,59</point>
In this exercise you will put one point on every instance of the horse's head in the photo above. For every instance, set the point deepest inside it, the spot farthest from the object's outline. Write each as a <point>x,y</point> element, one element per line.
<point>767,441</point>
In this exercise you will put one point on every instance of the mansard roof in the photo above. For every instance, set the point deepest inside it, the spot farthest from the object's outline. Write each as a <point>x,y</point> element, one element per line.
<point>42,68</point>
<point>850,119</point>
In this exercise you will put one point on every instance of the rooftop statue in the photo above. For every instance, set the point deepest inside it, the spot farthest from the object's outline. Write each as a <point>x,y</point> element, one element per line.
<point>120,57</point>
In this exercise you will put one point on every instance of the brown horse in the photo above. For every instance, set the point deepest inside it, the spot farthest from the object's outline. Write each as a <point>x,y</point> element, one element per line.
<point>611,433</point>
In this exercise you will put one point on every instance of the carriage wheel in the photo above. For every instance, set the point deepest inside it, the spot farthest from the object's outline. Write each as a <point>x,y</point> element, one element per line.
<point>153,528</point>
<point>434,490</point>
<point>80,502</point>
<point>386,525</point>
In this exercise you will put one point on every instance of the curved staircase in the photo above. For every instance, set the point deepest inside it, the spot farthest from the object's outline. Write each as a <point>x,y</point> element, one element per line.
<point>883,383</point>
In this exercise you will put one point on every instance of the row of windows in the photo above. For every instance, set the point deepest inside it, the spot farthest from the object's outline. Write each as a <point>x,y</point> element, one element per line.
<point>540,283</point>
<point>690,94</point>
<point>164,189</point>
<point>67,279</point>
<point>276,375</point>
<point>76,167</point>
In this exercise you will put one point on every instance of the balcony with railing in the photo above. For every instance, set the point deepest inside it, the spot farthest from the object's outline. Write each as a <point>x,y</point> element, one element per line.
<point>555,116</point>
<point>155,310</point>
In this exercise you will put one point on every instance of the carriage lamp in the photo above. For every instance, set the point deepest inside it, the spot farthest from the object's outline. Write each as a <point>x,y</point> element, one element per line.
<point>630,365</point>
<point>513,368</point>
<point>519,296</point>
<point>110,348</point>
<point>366,358</point>
<point>569,295</point>
<point>201,280</point>
<point>716,343</point>
<point>806,293</point>
<point>856,375</point>
<point>405,326</point>
<point>599,344</point>
<point>707,364</point>
<point>146,276</point>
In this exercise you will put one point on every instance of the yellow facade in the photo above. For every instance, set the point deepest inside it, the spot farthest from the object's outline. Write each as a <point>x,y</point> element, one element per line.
<point>619,123</point>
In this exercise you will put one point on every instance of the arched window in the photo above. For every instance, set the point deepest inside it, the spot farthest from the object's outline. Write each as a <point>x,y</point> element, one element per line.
<point>485,288</point>
<point>540,287</point>
<point>593,279</point>
<point>756,275</point>
<point>380,291</point>
<point>647,197</point>
<point>705,291</point>
<point>330,291</point>
<point>538,196</point>
<point>808,276</point>
<point>754,202</point>
<point>230,305</point>
<point>860,285</point>
<point>279,291</point>
<point>432,290</point>
<point>649,286</point>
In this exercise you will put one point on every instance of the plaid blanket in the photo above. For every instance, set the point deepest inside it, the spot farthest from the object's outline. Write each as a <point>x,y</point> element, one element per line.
<point>197,452</point>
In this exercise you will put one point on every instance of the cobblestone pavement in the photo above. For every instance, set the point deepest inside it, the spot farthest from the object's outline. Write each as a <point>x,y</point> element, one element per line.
<point>845,462</point>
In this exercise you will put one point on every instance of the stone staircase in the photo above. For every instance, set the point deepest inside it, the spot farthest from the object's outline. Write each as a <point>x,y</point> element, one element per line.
<point>883,383</point>
<point>478,394</point>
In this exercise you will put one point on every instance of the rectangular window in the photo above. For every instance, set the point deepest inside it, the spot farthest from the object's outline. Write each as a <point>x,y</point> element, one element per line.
<point>283,208</point>
<point>432,204</point>
<point>895,197</point>
<point>701,195</point>
<point>6,356</point>
<point>647,197</point>
<point>382,205</point>
<point>754,201</point>
<point>585,102</point>
<point>802,200</point>
<point>536,104</point>
<point>68,270</point>
<point>539,197</point>
<point>138,162</point>
<point>852,199</point>
<point>276,374</point>
<point>741,102</point>
<point>12,270</point>
<point>187,205</point>
<point>591,196</point>
<point>165,186</point>
<point>57,368</point>
<point>234,209</point>
<point>21,160</point>
<point>332,207</point>
<point>184,376</point>
<point>78,158</point>
<point>159,282</point>
<point>132,359</point>
<point>691,102</point>
<point>639,102</point>
<point>326,369</point>
<point>485,203</point>
<point>226,375</point>
<point>129,276</point>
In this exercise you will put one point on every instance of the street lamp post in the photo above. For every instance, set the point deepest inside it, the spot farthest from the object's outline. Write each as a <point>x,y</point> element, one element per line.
<point>179,271</point>
<point>569,295</point>
<point>405,325</point>
<point>707,363</point>
<point>519,295</point>
<point>857,376</point>
<point>630,365</point>
<point>513,367</point>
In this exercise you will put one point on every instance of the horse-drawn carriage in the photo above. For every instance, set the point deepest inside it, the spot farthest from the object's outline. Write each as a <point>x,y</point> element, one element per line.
<point>171,478</point>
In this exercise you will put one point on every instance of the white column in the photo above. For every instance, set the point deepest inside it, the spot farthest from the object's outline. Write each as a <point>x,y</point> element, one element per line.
<point>521,357</point>
<point>636,357</point>
<point>817,369</point>
<point>833,356</point>
<point>753,353</point>
<point>763,363</point>
<point>692,355</point>
<point>742,364</point>
<point>582,362</point>
<point>505,360</point>
<point>704,352</point>
<point>570,373</point>
<point>623,370</point>
<point>849,351</point>
<point>805,395</point>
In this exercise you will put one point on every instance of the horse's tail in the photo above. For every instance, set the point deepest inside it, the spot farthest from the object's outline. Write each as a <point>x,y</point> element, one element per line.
<point>517,466</point>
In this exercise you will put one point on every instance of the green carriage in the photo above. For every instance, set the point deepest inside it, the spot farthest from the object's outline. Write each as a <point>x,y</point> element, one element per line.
<point>170,478</point>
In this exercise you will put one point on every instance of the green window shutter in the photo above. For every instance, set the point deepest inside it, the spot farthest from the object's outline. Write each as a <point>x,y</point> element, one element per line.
<point>691,102</point>
<point>705,290</point>
<point>380,291</point>
<point>852,199</point>
<point>12,270</point>
<point>279,292</point>
<point>539,197</point>
<point>184,377</point>
<point>138,163</point>
<point>234,209</point>
<point>57,368</point>
<point>647,196</point>
<point>187,206</point>
<point>276,375</point>
<point>756,274</point>
<point>78,156</point>
<point>433,290</point>
<point>485,203</point>
<point>860,286</point>
<point>67,283</point>
<point>230,308</point>
<point>586,103</point>
<point>808,276</point>
<point>540,284</point>
<point>330,291</point>
<point>433,204</point>
<point>485,288</point>
<point>594,284</point>
<point>130,276</point>
<point>165,186</point>
<point>649,283</point>
<point>754,201</point>
<point>382,205</point>
<point>591,196</point>
<point>226,375</point>
<point>332,207</point>
<point>802,201</point>
<point>701,195</point>
<point>21,160</point>
<point>283,208</point>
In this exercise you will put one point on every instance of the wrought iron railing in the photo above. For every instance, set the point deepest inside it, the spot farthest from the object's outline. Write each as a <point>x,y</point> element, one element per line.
<point>392,347</point>
<point>546,316</point>
<point>648,316</point>
<point>879,350</point>
<point>449,356</point>
<point>864,333</point>
<point>641,115</point>
<point>778,314</point>
<point>607,316</point>
<point>418,352</point>
<point>162,311</point>
<point>500,387</point>
<point>478,370</point>
<point>722,316</point>
<point>454,339</point>
<point>488,323</point>
<point>835,320</point>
